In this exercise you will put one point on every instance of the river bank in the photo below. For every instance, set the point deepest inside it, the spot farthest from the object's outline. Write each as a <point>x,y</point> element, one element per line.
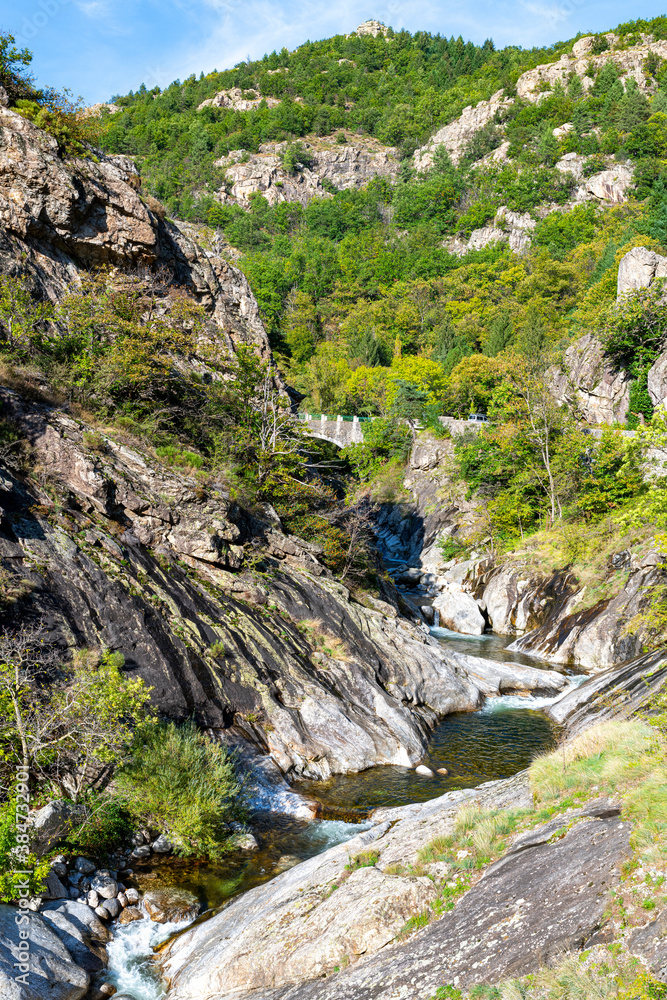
<point>491,744</point>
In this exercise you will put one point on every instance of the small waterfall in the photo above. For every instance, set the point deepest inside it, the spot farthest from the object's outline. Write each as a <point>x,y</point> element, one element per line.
<point>535,702</point>
<point>436,618</point>
<point>130,969</point>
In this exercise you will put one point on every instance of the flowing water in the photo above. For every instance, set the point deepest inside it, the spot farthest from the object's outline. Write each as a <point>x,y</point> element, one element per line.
<point>495,742</point>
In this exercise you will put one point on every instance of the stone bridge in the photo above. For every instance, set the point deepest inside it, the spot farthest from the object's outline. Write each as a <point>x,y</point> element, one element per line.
<point>344,431</point>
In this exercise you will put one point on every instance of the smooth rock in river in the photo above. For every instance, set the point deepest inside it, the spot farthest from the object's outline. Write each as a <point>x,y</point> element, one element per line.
<point>170,905</point>
<point>245,842</point>
<point>129,914</point>
<point>51,972</point>
<point>459,612</point>
<point>300,927</point>
<point>541,900</point>
<point>143,851</point>
<point>82,933</point>
<point>423,769</point>
<point>104,886</point>
<point>113,906</point>
<point>133,896</point>
<point>162,845</point>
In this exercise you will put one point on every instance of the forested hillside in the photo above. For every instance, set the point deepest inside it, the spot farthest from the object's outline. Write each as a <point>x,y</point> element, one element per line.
<point>360,277</point>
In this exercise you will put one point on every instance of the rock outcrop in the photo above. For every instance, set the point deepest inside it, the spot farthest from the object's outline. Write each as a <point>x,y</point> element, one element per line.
<point>544,896</point>
<point>596,637</point>
<point>344,166</point>
<point>362,916</point>
<point>638,269</point>
<point>589,381</point>
<point>238,100</point>
<point>143,560</point>
<point>617,692</point>
<point>455,137</point>
<point>459,611</point>
<point>61,216</point>
<point>609,186</point>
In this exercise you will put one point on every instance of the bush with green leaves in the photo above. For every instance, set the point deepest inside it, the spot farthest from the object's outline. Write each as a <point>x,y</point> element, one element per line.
<point>15,860</point>
<point>183,783</point>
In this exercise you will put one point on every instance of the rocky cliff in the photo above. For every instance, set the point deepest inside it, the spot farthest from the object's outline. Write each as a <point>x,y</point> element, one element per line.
<point>61,216</point>
<point>331,165</point>
<point>226,617</point>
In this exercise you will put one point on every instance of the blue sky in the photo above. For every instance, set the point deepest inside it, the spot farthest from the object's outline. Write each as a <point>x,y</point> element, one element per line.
<point>101,47</point>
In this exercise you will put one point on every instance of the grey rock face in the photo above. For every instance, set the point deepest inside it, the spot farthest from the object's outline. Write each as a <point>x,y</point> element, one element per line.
<point>541,900</point>
<point>82,933</point>
<point>51,974</point>
<point>657,380</point>
<point>638,269</point>
<point>350,715</point>
<point>544,898</point>
<point>594,638</point>
<point>590,381</point>
<point>650,945</point>
<point>617,691</point>
<point>349,166</point>
<point>59,216</point>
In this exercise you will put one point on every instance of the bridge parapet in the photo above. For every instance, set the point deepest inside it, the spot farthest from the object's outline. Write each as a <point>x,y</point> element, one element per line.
<point>341,431</point>
<point>344,431</point>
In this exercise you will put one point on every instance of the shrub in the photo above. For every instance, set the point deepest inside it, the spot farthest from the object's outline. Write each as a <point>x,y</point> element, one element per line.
<point>182,782</point>
<point>108,823</point>
<point>15,858</point>
<point>155,206</point>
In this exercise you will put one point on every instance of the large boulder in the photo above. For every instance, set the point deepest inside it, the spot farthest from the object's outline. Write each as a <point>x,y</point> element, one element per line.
<point>39,966</point>
<point>81,931</point>
<point>459,611</point>
<point>51,823</point>
<point>517,599</point>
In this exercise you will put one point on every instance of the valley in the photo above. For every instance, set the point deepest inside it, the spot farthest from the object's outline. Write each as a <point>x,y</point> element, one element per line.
<point>333,534</point>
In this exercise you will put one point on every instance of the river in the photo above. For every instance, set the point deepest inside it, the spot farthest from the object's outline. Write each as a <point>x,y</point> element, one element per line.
<point>495,742</point>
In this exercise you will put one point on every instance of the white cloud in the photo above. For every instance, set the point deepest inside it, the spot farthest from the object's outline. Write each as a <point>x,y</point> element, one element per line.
<point>95,8</point>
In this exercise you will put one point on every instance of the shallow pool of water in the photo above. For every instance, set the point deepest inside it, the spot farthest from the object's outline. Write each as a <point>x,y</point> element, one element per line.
<point>473,746</point>
<point>494,647</point>
<point>283,842</point>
